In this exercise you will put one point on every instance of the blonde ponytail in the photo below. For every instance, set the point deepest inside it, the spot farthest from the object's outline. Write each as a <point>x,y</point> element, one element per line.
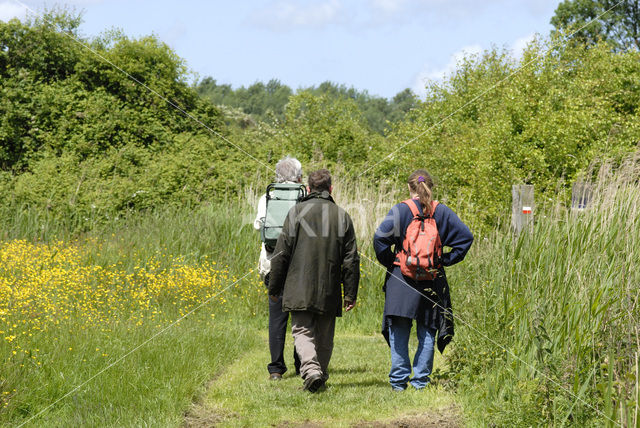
<point>421,183</point>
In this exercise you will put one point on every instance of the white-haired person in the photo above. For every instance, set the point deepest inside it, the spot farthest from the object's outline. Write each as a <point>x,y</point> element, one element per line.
<point>288,170</point>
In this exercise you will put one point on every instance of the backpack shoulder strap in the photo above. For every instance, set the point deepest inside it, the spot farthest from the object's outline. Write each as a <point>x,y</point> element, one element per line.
<point>412,206</point>
<point>414,209</point>
<point>434,204</point>
<point>286,191</point>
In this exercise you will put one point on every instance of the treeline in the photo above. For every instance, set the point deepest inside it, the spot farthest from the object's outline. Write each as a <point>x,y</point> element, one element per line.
<point>83,142</point>
<point>496,123</point>
<point>267,102</point>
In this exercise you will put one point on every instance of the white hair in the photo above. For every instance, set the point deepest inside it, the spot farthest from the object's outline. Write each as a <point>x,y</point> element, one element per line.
<point>288,169</point>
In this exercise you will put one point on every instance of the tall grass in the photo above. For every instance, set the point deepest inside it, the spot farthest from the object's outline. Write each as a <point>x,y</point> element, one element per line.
<point>70,309</point>
<point>549,320</point>
<point>133,250</point>
<point>546,331</point>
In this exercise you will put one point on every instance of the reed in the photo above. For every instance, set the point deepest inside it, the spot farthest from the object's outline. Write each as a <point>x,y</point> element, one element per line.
<point>549,319</point>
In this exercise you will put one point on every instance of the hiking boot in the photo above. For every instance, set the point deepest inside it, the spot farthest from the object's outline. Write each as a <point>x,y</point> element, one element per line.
<point>313,383</point>
<point>275,376</point>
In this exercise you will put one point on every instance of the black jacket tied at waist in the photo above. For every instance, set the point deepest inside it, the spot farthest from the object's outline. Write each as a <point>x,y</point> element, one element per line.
<point>428,302</point>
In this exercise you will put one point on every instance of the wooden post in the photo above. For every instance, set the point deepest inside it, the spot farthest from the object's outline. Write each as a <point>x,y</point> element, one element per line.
<point>522,207</point>
<point>581,195</point>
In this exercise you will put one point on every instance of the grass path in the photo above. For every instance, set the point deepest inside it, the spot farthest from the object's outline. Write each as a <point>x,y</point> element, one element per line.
<point>357,393</point>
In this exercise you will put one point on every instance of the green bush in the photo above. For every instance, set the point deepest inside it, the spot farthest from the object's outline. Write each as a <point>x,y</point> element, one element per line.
<point>542,121</point>
<point>79,138</point>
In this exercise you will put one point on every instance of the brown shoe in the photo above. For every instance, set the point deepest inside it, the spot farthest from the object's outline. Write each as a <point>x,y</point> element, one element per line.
<point>275,376</point>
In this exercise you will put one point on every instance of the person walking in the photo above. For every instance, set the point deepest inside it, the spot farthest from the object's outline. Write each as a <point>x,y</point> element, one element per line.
<point>315,254</point>
<point>288,170</point>
<point>413,291</point>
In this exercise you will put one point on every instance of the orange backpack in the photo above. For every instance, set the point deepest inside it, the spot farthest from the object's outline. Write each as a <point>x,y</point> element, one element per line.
<point>419,257</point>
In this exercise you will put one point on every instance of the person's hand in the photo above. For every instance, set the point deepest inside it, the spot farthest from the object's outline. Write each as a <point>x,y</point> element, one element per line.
<point>348,305</point>
<point>273,298</point>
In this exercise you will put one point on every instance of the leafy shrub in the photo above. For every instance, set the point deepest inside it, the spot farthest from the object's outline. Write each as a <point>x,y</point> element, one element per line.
<point>496,122</point>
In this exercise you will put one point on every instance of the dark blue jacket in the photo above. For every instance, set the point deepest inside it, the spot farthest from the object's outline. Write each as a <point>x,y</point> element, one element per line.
<point>405,297</point>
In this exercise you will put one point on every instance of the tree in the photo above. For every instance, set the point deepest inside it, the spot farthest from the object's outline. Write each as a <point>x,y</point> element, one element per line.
<point>81,140</point>
<point>379,112</point>
<point>619,26</point>
<point>330,129</point>
<point>402,103</point>
<point>544,126</point>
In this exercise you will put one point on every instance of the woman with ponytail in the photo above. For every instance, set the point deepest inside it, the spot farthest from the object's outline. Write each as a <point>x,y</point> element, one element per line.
<point>423,298</point>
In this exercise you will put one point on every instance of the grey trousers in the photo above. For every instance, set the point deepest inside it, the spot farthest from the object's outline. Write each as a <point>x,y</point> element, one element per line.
<point>313,339</point>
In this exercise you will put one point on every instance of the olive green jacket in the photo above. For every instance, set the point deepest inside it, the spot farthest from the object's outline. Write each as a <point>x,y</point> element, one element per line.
<point>315,254</point>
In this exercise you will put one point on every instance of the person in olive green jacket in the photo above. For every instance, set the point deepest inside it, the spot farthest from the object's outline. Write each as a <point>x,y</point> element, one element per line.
<point>315,254</point>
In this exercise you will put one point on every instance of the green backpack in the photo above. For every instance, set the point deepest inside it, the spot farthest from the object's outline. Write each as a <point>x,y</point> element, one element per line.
<point>280,198</point>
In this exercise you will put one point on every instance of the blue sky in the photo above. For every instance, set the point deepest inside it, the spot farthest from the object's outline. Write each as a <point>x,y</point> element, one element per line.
<point>382,46</point>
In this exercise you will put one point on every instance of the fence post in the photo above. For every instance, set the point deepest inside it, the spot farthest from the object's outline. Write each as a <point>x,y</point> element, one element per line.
<point>581,195</point>
<point>522,206</point>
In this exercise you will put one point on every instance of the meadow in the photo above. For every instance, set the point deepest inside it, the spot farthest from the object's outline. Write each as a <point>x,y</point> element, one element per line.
<point>128,290</point>
<point>158,319</point>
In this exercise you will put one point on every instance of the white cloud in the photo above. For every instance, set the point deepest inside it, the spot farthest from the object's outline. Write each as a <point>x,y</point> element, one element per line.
<point>429,73</point>
<point>284,15</point>
<point>439,74</point>
<point>382,13</point>
<point>10,10</point>
<point>521,44</point>
<point>391,12</point>
<point>388,6</point>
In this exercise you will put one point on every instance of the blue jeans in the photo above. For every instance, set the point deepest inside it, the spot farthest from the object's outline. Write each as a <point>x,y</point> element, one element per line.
<point>399,332</point>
